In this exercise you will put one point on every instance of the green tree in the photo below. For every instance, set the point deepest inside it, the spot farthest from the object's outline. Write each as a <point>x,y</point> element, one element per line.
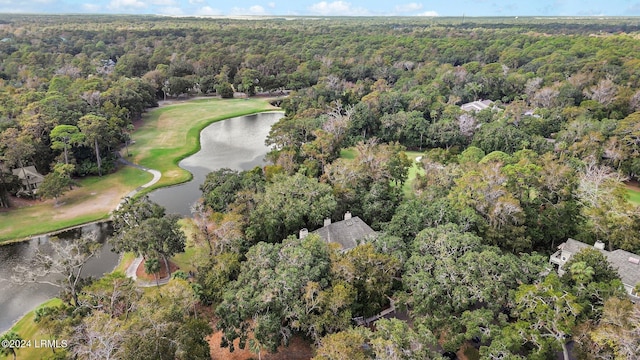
<point>592,280</point>
<point>141,226</point>
<point>13,343</point>
<point>115,294</point>
<point>165,326</point>
<point>63,136</point>
<point>278,275</point>
<point>546,315</point>
<point>214,275</point>
<point>371,274</point>
<point>220,187</point>
<point>179,85</point>
<point>131,65</point>
<point>344,345</point>
<point>289,204</point>
<point>54,185</point>
<point>610,216</point>
<point>17,147</point>
<point>67,260</point>
<point>225,90</point>
<point>618,331</point>
<point>155,238</point>
<point>131,213</point>
<point>94,128</point>
<point>152,266</point>
<point>451,278</point>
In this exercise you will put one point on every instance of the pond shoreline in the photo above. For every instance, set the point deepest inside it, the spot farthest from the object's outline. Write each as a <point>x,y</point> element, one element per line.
<point>54,232</point>
<point>141,190</point>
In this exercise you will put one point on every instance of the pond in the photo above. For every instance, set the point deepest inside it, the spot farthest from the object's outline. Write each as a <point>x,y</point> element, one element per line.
<point>16,300</point>
<point>236,143</point>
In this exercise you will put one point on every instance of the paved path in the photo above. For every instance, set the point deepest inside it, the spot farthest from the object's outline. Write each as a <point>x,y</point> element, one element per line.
<point>156,177</point>
<point>133,268</point>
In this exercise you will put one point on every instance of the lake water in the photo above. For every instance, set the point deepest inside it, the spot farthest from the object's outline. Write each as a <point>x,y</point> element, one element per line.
<point>236,143</point>
<point>16,300</point>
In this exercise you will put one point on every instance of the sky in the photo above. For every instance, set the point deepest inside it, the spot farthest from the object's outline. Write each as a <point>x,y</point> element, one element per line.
<point>330,7</point>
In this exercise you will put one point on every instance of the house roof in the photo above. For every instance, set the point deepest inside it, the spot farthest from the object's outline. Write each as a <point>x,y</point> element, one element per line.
<point>573,246</point>
<point>29,171</point>
<point>476,105</point>
<point>345,232</point>
<point>627,263</point>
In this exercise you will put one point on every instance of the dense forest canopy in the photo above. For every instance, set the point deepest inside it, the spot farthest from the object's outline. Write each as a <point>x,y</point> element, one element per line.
<point>461,247</point>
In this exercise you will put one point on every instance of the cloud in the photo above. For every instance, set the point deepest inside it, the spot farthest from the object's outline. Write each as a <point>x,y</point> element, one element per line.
<point>253,10</point>
<point>428,13</point>
<point>163,2</point>
<point>208,10</point>
<point>257,9</point>
<point>410,7</point>
<point>194,2</point>
<point>271,5</point>
<point>91,8</point>
<point>126,4</point>
<point>337,8</point>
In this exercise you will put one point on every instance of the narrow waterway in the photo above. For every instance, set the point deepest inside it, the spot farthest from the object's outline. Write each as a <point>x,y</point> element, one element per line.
<point>16,300</point>
<point>236,143</point>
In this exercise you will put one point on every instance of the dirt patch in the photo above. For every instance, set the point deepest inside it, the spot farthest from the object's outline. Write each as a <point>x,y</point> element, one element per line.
<point>142,275</point>
<point>137,123</point>
<point>162,103</point>
<point>92,203</point>
<point>632,185</point>
<point>17,203</point>
<point>298,349</point>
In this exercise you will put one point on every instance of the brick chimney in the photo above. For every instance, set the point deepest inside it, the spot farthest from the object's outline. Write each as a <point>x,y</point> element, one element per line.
<point>303,233</point>
<point>347,215</point>
<point>327,221</point>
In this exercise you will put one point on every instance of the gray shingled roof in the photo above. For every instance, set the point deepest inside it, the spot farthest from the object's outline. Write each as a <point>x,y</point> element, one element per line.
<point>619,259</point>
<point>476,105</point>
<point>30,172</point>
<point>345,232</point>
<point>574,246</point>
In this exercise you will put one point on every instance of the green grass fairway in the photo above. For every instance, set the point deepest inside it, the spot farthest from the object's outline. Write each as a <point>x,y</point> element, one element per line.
<point>171,133</point>
<point>415,169</point>
<point>634,196</point>
<point>167,135</point>
<point>348,154</point>
<point>92,200</point>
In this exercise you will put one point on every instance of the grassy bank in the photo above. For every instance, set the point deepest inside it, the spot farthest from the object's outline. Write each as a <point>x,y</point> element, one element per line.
<point>28,330</point>
<point>171,133</point>
<point>167,135</point>
<point>91,200</point>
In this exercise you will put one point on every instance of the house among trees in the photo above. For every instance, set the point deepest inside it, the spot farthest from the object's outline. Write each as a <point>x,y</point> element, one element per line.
<point>29,177</point>
<point>476,106</point>
<point>347,232</point>
<point>626,263</point>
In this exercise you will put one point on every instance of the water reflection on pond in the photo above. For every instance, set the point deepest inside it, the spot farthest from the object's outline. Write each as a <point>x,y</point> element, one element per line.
<point>16,300</point>
<point>236,143</point>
